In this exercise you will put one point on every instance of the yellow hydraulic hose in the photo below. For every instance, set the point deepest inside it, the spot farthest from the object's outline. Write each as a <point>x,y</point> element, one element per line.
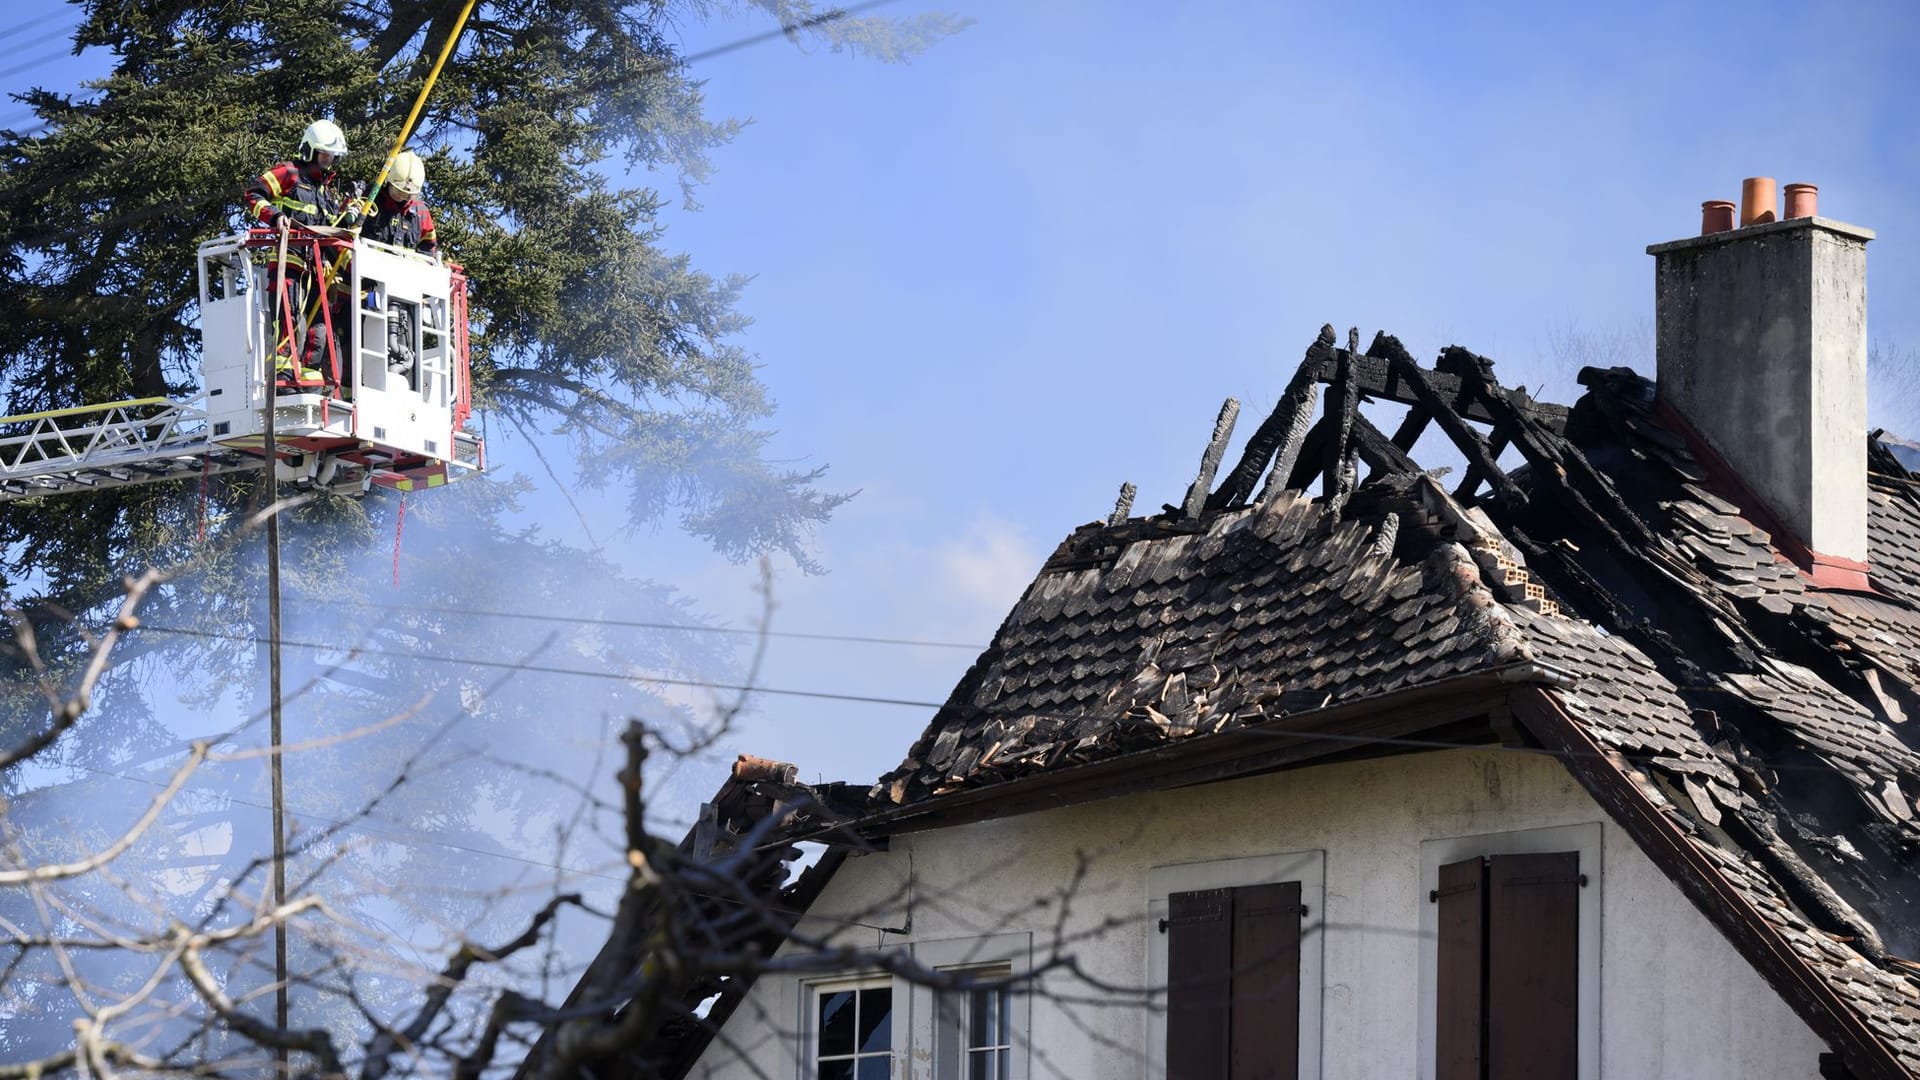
<point>332,272</point>
<point>406,129</point>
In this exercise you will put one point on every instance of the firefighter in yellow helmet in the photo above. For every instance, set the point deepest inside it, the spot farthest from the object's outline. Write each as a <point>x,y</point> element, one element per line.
<point>400,218</point>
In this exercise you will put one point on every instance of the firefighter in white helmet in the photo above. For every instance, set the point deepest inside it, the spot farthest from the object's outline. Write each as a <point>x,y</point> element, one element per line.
<point>302,193</point>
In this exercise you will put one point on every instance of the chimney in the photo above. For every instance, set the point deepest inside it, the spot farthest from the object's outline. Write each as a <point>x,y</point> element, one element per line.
<point>1761,346</point>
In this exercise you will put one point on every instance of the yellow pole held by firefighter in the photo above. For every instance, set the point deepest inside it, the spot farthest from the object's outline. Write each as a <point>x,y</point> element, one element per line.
<point>331,273</point>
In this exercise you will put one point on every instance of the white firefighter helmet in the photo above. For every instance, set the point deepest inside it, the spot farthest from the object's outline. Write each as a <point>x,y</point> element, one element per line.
<point>322,135</point>
<point>408,175</point>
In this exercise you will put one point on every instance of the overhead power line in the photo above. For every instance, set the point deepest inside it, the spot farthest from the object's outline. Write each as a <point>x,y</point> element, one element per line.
<point>635,624</point>
<point>64,31</point>
<point>6,36</point>
<point>541,669</point>
<point>377,827</point>
<point>133,216</point>
<point>867,699</point>
<point>44,58</point>
<point>825,17</point>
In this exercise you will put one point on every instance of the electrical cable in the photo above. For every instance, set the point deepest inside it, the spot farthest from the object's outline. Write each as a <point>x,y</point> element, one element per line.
<point>392,832</point>
<point>833,15</point>
<point>38,20</point>
<point>1264,730</point>
<point>541,669</point>
<point>44,38</point>
<point>38,61</point>
<point>636,624</point>
<point>140,214</point>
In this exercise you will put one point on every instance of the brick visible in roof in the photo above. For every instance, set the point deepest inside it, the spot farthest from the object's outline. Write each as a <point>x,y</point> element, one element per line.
<point>1770,712</point>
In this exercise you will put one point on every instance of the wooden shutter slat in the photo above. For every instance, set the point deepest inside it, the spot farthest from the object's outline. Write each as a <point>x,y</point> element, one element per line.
<point>1459,997</point>
<point>1266,982</point>
<point>1533,966</point>
<point>1199,980</point>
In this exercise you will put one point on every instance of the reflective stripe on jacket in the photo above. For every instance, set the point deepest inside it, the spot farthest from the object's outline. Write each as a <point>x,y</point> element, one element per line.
<point>286,189</point>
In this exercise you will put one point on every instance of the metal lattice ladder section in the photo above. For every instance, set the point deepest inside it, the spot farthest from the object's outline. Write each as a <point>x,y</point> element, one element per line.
<point>94,447</point>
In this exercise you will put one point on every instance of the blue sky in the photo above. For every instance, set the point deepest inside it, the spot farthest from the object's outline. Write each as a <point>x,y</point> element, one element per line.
<point>999,281</point>
<point>996,282</point>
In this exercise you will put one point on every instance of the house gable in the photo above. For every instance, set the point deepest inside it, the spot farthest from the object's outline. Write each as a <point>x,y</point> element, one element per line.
<point>1668,636</point>
<point>1672,995</point>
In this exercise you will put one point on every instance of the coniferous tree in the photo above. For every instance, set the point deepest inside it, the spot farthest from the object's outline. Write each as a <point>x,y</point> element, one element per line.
<point>585,323</point>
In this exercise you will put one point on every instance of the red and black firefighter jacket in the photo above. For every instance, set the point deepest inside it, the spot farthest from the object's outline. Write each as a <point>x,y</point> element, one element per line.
<point>295,192</point>
<point>403,224</point>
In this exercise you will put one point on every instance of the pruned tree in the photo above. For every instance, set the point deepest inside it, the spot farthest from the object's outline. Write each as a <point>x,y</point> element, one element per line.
<point>106,972</point>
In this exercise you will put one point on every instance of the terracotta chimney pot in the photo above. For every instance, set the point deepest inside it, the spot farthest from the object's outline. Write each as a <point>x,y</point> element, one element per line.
<point>1716,216</point>
<point>1759,201</point>
<point>748,768</point>
<point>1803,200</point>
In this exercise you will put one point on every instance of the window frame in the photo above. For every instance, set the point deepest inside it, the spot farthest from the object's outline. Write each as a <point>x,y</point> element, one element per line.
<point>1011,953</point>
<point>952,1044</point>
<point>1309,868</point>
<point>810,993</point>
<point>1587,841</point>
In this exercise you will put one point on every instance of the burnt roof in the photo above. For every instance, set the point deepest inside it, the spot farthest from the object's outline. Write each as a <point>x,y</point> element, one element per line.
<point>1762,718</point>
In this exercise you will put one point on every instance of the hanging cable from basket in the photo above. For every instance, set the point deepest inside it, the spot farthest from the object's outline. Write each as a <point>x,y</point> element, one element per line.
<point>399,525</point>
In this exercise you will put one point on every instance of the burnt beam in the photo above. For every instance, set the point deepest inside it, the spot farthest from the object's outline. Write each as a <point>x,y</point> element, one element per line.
<point>1312,450</point>
<point>1382,455</point>
<point>1429,396</point>
<point>1375,377</point>
<point>1412,426</point>
<point>1343,403</point>
<point>1280,433</point>
<point>1196,500</point>
<point>1471,482</point>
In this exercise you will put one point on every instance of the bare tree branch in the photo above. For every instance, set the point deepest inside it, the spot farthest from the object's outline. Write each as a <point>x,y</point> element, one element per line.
<point>68,710</point>
<point>55,871</point>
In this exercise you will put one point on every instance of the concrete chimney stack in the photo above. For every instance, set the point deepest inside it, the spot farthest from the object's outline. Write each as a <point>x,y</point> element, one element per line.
<point>1762,348</point>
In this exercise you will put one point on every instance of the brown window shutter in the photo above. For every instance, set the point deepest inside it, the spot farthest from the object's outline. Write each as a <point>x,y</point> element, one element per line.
<point>1533,966</point>
<point>1460,989</point>
<point>1266,982</point>
<point>1199,979</point>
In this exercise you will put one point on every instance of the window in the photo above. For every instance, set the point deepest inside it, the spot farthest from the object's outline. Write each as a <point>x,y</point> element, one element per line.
<point>1510,985</point>
<point>973,1036</point>
<point>1231,943</point>
<point>979,1031</point>
<point>876,1027</point>
<point>853,1030</point>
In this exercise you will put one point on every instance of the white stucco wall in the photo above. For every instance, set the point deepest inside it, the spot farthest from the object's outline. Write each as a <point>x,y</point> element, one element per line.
<point>1675,1000</point>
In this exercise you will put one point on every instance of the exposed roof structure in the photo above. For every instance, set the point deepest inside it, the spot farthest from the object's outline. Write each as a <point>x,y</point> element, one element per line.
<point>1748,727</point>
<point>736,888</point>
<point>1617,600</point>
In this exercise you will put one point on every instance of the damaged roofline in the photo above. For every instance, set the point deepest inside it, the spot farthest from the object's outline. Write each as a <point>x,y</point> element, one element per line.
<point>1382,720</point>
<point>1543,717</point>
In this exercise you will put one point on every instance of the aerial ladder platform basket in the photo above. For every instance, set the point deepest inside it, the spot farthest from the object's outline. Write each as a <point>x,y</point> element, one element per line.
<point>389,408</point>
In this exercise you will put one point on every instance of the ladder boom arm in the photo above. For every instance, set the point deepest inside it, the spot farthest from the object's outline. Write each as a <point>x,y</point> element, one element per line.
<point>93,447</point>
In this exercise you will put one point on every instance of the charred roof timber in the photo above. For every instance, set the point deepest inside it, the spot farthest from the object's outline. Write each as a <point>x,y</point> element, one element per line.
<point>1618,600</point>
<point>1757,708</point>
